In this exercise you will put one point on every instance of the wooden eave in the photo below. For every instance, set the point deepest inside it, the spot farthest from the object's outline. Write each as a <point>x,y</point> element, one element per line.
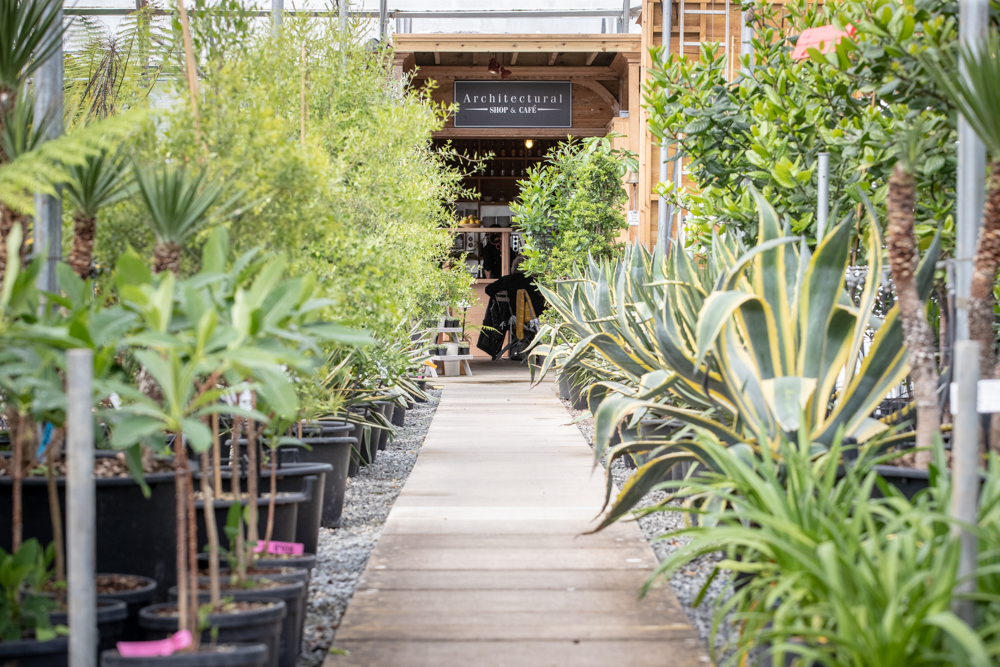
<point>470,42</point>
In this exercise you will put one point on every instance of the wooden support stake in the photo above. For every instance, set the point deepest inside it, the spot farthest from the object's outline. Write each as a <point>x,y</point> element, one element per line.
<point>302,99</point>
<point>192,71</point>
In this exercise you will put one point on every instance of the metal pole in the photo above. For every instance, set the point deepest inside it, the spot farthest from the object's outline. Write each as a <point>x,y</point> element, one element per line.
<point>965,464</point>
<point>823,205</point>
<point>383,21</point>
<point>667,26</point>
<point>678,175</point>
<point>48,208</point>
<point>344,13</point>
<point>663,209</point>
<point>277,8</point>
<point>81,524</point>
<point>746,43</point>
<point>973,21</point>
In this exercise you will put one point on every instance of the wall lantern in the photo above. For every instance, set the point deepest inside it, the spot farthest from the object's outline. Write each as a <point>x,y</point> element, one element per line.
<point>528,143</point>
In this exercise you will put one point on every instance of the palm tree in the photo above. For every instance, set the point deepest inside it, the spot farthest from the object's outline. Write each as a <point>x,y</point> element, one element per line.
<point>178,203</point>
<point>19,134</point>
<point>904,258</point>
<point>976,93</point>
<point>25,43</point>
<point>100,181</point>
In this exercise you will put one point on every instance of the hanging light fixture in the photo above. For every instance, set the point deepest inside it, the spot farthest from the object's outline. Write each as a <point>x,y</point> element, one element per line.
<point>494,65</point>
<point>504,73</point>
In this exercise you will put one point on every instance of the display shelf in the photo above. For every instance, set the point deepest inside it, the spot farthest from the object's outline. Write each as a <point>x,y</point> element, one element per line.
<point>449,329</point>
<point>452,357</point>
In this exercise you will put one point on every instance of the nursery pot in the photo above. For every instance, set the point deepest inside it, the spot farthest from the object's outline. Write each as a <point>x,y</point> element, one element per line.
<point>333,453</point>
<point>569,391</point>
<point>293,476</point>
<point>293,593</point>
<point>222,655</point>
<point>33,653</point>
<point>134,535</point>
<point>260,624</point>
<point>398,415</point>
<point>286,512</point>
<point>111,615</point>
<point>364,453</point>
<point>387,409</point>
<point>134,599</point>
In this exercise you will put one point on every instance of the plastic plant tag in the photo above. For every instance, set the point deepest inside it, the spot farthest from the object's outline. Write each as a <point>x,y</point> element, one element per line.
<point>282,548</point>
<point>160,647</point>
<point>824,38</point>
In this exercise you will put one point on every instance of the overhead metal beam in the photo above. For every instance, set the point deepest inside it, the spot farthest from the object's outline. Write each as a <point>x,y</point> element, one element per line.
<point>48,209</point>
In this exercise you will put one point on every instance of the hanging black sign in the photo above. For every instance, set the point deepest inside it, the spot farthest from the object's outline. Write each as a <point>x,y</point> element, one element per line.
<point>514,104</point>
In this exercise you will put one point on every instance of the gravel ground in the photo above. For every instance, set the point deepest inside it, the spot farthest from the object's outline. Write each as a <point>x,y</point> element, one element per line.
<point>343,552</point>
<point>688,582</point>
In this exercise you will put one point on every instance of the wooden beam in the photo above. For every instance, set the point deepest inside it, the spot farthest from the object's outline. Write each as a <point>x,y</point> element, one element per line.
<point>591,57</point>
<point>513,58</point>
<point>452,72</point>
<point>402,64</point>
<point>437,57</point>
<point>552,58</point>
<point>603,93</point>
<point>467,43</point>
<point>520,132</point>
<point>475,57</point>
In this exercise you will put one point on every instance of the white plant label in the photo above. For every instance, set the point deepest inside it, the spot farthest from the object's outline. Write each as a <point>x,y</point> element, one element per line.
<point>987,396</point>
<point>633,218</point>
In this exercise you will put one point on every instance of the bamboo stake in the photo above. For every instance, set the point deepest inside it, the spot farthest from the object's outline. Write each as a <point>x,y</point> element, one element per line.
<point>253,534</point>
<point>302,98</point>
<point>192,71</point>
<point>192,543</point>
<point>212,530</point>
<point>55,514</point>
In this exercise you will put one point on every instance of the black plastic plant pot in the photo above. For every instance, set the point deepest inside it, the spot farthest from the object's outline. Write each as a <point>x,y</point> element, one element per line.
<point>353,468</point>
<point>292,593</point>
<point>306,561</point>
<point>325,428</point>
<point>33,653</point>
<point>572,392</point>
<point>334,452</point>
<point>398,415</point>
<point>134,600</point>
<point>262,624</point>
<point>134,535</point>
<point>297,568</point>
<point>364,453</point>
<point>111,615</point>
<point>387,409</point>
<point>286,513</point>
<point>220,655</point>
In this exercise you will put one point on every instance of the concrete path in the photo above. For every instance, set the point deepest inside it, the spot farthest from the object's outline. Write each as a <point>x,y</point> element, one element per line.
<point>482,562</point>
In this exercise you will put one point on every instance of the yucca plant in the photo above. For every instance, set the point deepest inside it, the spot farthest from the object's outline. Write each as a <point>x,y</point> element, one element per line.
<point>976,94</point>
<point>178,202</point>
<point>103,179</point>
<point>29,35</point>
<point>904,261</point>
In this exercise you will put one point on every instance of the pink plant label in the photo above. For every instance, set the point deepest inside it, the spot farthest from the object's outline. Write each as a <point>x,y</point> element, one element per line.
<point>282,548</point>
<point>161,647</point>
<point>824,39</point>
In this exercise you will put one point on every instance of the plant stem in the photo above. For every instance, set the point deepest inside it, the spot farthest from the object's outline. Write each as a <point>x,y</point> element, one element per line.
<point>211,529</point>
<point>216,456</point>
<point>192,543</point>
<point>55,514</point>
<point>270,501</point>
<point>180,462</point>
<point>234,483</point>
<point>252,491</point>
<point>18,463</point>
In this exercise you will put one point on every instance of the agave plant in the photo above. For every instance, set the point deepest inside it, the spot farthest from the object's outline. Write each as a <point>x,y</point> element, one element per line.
<point>99,182</point>
<point>747,348</point>
<point>178,203</point>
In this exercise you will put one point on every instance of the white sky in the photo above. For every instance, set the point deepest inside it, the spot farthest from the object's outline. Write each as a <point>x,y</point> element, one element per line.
<point>420,25</point>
